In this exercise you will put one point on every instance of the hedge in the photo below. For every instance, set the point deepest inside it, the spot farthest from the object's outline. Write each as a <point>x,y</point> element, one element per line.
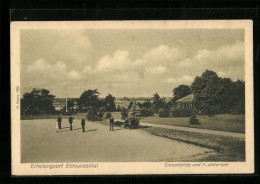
<point>164,113</point>
<point>181,112</point>
<point>147,112</point>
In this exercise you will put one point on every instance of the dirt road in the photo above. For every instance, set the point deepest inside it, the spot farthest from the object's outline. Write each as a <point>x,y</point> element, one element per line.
<point>41,143</point>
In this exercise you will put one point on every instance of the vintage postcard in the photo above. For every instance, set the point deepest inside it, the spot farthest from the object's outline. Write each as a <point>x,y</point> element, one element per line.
<point>132,97</point>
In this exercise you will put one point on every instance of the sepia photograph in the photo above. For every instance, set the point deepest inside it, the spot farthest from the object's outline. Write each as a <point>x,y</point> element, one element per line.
<point>132,97</point>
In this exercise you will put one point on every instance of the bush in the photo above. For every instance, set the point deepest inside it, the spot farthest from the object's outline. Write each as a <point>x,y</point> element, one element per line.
<point>181,112</point>
<point>123,113</point>
<point>95,115</point>
<point>194,120</point>
<point>164,113</point>
<point>108,115</point>
<point>147,112</point>
<point>134,123</point>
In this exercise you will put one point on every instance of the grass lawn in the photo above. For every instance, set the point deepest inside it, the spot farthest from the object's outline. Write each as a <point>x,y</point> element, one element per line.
<point>227,149</point>
<point>225,122</point>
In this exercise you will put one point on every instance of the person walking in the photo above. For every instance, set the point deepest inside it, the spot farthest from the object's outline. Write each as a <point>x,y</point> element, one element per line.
<point>111,120</point>
<point>59,120</point>
<point>83,124</point>
<point>71,121</point>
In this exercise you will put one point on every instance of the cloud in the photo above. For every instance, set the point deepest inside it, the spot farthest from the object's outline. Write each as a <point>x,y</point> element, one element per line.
<point>73,75</point>
<point>227,60</point>
<point>157,70</point>
<point>43,69</point>
<point>71,45</point>
<point>223,56</point>
<point>61,66</point>
<point>121,69</point>
<point>87,69</point>
<point>67,46</point>
<point>170,80</point>
<point>38,65</point>
<point>161,54</point>
<point>118,61</point>
<point>154,60</point>
<point>160,69</point>
<point>186,79</point>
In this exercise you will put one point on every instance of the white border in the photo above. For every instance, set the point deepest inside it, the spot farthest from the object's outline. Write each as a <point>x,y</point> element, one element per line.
<point>118,168</point>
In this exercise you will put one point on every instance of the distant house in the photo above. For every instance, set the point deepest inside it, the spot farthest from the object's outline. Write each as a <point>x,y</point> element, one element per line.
<point>186,102</point>
<point>59,104</point>
<point>75,106</point>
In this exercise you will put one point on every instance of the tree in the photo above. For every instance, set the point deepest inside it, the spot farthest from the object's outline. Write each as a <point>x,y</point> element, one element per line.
<point>109,103</point>
<point>118,109</point>
<point>70,106</point>
<point>194,120</point>
<point>180,92</point>
<point>140,104</point>
<point>95,114</point>
<point>238,94</point>
<point>147,104</point>
<point>88,100</point>
<point>124,113</point>
<point>38,101</point>
<point>207,91</point>
<point>216,95</point>
<point>158,102</point>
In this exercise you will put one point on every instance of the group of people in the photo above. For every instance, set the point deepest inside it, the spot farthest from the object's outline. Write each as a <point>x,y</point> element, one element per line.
<point>70,119</point>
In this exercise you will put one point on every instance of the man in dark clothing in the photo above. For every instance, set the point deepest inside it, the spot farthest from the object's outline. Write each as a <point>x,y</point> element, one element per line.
<point>71,121</point>
<point>83,124</point>
<point>111,123</point>
<point>59,119</point>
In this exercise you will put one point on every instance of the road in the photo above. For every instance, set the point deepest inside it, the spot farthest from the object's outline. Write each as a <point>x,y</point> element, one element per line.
<point>197,130</point>
<point>41,143</point>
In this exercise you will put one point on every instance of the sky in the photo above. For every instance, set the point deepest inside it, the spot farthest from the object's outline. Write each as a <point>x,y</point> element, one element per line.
<point>126,63</point>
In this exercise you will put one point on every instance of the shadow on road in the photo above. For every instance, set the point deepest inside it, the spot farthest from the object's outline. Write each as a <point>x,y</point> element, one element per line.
<point>68,129</point>
<point>64,127</point>
<point>144,126</point>
<point>91,130</point>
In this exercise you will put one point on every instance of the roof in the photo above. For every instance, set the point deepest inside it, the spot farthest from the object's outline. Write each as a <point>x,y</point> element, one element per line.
<point>188,98</point>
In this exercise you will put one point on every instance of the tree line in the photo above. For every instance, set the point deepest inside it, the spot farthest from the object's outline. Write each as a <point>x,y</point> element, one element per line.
<point>213,95</point>
<point>40,101</point>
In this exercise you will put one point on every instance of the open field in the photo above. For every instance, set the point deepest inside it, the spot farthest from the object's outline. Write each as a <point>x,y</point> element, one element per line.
<point>42,144</point>
<point>122,103</point>
<point>225,122</point>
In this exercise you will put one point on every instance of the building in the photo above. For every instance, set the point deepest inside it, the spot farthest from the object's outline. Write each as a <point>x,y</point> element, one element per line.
<point>186,102</point>
<point>59,104</point>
